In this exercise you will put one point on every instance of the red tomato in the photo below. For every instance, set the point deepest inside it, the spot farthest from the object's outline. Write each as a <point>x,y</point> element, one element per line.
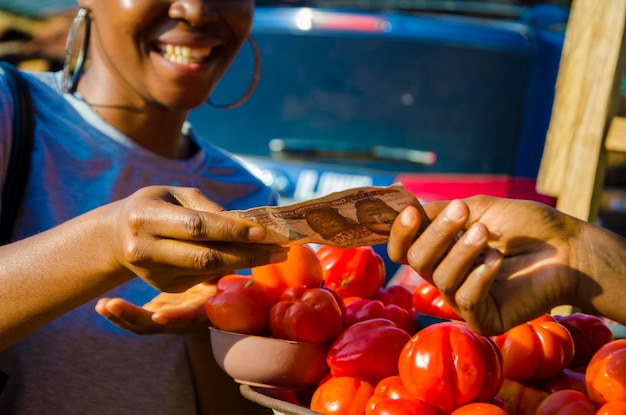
<point>606,373</point>
<point>240,305</point>
<point>302,268</point>
<point>428,300</point>
<point>352,272</point>
<point>589,334</point>
<point>448,365</point>
<point>341,396</point>
<point>313,316</point>
<point>365,309</point>
<point>396,294</point>
<point>368,350</point>
<point>403,406</point>
<point>613,408</point>
<point>479,408</point>
<point>535,350</point>
<point>520,399</point>
<point>567,402</point>
<point>565,379</point>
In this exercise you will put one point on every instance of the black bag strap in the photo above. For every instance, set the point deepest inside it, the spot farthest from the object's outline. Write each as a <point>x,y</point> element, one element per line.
<point>21,149</point>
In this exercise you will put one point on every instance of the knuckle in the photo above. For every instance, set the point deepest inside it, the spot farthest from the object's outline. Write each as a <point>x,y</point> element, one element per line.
<point>209,260</point>
<point>194,225</point>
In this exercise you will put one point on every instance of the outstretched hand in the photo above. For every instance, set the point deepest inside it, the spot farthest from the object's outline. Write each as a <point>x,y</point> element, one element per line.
<point>165,313</point>
<point>174,238</point>
<point>497,262</point>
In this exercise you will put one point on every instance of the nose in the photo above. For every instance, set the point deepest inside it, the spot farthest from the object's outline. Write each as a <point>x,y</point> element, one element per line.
<point>196,12</point>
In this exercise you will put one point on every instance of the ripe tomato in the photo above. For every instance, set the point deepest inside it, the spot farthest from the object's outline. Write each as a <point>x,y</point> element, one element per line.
<point>396,294</point>
<point>479,408</point>
<point>403,406</point>
<point>520,399</point>
<point>302,268</point>
<point>365,309</point>
<point>313,316</point>
<point>240,305</point>
<point>606,373</point>
<point>341,396</point>
<point>352,272</point>
<point>368,350</point>
<point>448,365</point>
<point>589,334</point>
<point>535,350</point>
<point>428,300</point>
<point>565,379</point>
<point>567,402</point>
<point>613,408</point>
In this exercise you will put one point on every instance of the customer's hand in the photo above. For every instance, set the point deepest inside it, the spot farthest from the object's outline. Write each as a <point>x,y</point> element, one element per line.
<point>165,313</point>
<point>174,238</point>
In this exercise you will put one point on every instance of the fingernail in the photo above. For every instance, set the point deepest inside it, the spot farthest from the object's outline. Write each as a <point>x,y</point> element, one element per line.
<point>159,319</point>
<point>407,217</point>
<point>256,234</point>
<point>474,236</point>
<point>454,213</point>
<point>278,256</point>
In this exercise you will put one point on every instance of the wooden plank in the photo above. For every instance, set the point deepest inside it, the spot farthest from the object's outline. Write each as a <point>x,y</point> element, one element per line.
<point>572,163</point>
<point>616,138</point>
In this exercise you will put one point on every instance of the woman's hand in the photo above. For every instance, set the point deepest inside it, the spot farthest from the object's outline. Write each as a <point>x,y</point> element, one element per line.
<point>174,238</point>
<point>498,262</point>
<point>165,313</point>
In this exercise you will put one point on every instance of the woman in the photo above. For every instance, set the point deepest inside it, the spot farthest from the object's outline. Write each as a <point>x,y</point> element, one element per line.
<point>121,188</point>
<point>514,260</point>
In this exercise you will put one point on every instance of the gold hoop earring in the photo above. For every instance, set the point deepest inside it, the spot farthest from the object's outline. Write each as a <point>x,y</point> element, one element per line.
<point>71,80</point>
<point>253,84</point>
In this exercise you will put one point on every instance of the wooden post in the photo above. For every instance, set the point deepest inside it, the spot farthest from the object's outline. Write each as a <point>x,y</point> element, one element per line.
<point>586,100</point>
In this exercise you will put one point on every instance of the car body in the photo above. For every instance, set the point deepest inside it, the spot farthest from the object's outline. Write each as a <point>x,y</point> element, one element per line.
<point>448,104</point>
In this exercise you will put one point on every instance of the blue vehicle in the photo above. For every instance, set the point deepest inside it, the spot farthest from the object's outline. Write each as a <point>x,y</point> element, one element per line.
<point>448,103</point>
<point>451,104</point>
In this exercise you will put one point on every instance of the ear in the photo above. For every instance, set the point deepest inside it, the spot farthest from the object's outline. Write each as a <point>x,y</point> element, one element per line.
<point>85,4</point>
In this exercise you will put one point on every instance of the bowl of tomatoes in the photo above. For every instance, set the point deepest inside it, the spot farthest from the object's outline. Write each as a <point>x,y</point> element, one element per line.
<point>269,362</point>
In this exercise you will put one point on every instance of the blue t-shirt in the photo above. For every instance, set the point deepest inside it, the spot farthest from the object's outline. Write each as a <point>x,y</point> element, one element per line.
<point>81,363</point>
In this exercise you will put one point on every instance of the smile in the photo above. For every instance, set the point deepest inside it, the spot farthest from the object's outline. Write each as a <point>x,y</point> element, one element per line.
<point>184,55</point>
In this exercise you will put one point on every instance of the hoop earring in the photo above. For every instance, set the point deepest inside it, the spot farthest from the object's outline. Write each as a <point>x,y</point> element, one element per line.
<point>253,84</point>
<point>70,81</point>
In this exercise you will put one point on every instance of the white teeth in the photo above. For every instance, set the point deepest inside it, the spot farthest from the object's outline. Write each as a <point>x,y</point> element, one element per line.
<point>184,55</point>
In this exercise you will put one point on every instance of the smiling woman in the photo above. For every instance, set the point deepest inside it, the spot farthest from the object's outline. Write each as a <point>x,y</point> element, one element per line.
<point>123,201</point>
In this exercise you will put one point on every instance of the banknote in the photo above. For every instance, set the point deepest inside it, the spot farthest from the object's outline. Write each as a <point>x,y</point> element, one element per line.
<point>350,218</point>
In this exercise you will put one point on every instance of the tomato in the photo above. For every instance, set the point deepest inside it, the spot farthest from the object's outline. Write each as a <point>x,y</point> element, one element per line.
<point>613,408</point>
<point>520,399</point>
<point>567,402</point>
<point>341,396</point>
<point>395,294</point>
<point>428,300</point>
<point>403,406</point>
<point>565,379</point>
<point>479,408</point>
<point>606,373</point>
<point>365,309</point>
<point>448,365</point>
<point>589,334</point>
<point>352,272</point>
<point>535,350</point>
<point>368,350</point>
<point>313,316</point>
<point>240,305</point>
<point>302,268</point>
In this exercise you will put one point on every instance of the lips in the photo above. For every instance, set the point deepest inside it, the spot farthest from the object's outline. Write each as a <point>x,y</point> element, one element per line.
<point>184,55</point>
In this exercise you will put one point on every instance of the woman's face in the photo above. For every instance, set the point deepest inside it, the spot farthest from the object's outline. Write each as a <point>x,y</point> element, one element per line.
<point>164,52</point>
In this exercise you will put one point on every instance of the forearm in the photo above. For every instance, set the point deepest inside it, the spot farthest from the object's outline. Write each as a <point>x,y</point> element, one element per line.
<point>602,278</point>
<point>50,273</point>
